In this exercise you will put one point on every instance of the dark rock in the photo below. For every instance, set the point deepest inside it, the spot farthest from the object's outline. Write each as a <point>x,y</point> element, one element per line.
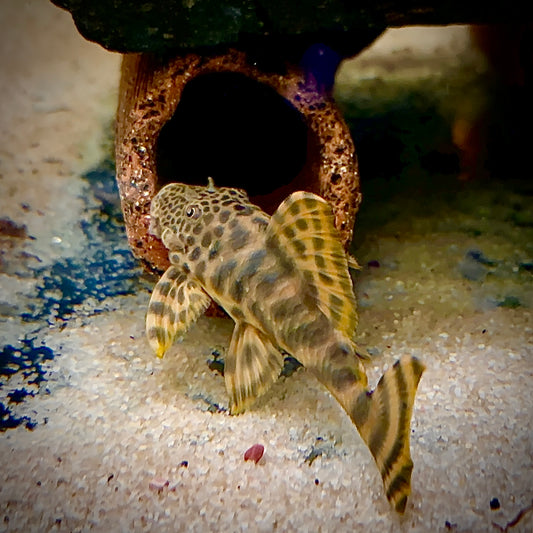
<point>479,257</point>
<point>290,366</point>
<point>510,302</point>
<point>149,26</point>
<point>475,265</point>
<point>181,25</point>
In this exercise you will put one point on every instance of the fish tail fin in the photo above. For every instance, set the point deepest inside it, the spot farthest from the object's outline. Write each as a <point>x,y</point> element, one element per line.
<point>383,418</point>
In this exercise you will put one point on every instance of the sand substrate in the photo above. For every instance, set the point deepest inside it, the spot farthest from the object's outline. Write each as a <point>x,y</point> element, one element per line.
<point>122,441</point>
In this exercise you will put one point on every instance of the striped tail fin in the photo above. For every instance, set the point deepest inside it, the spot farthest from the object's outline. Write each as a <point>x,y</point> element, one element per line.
<point>383,418</point>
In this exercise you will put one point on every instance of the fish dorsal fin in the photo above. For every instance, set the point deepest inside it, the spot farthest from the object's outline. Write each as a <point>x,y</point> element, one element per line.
<point>175,304</point>
<point>252,364</point>
<point>303,229</point>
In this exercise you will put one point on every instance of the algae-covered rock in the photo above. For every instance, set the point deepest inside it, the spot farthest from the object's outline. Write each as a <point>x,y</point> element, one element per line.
<point>156,26</point>
<point>151,26</point>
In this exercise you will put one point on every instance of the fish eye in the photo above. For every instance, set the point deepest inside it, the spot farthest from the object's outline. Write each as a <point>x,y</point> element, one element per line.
<point>193,211</point>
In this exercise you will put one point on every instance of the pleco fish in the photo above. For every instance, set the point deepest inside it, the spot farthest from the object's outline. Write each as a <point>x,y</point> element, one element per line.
<point>285,282</point>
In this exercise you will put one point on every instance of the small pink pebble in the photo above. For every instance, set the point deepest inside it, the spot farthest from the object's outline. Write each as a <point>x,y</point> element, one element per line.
<point>158,483</point>
<point>254,453</point>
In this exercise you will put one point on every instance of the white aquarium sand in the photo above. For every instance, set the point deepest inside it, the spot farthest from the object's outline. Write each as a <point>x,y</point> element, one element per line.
<point>122,441</point>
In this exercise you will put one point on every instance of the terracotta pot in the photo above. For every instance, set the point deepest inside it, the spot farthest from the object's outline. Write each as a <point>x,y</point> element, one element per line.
<point>191,116</point>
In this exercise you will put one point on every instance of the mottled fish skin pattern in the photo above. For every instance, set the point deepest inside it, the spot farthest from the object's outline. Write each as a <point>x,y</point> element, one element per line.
<point>285,282</point>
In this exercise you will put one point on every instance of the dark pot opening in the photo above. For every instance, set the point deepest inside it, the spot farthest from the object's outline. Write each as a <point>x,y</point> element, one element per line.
<point>240,132</point>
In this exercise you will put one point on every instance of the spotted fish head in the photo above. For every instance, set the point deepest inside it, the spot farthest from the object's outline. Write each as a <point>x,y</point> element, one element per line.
<point>180,210</point>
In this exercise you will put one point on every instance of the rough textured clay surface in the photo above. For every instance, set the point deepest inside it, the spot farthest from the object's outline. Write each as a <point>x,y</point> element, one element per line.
<point>149,95</point>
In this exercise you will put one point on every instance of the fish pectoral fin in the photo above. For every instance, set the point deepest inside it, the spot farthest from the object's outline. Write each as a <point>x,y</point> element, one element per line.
<point>252,364</point>
<point>383,418</point>
<point>303,230</point>
<point>175,304</point>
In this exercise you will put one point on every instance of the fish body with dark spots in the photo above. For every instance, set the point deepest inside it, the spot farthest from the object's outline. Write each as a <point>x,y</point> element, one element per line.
<point>285,282</point>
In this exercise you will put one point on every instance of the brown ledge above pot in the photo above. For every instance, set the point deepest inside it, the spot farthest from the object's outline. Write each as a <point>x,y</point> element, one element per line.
<point>218,114</point>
